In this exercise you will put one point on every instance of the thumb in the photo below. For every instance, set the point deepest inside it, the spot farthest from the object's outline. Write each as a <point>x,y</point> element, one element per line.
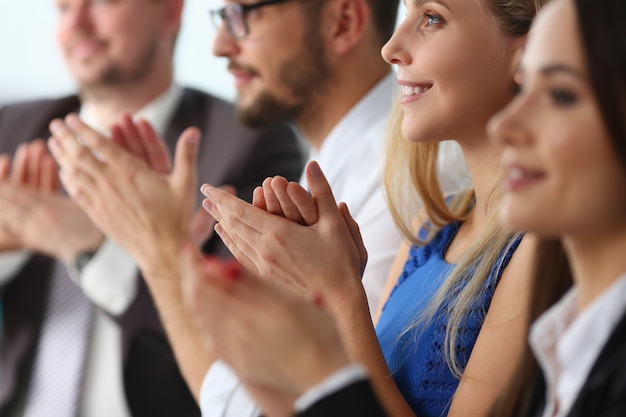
<point>320,189</point>
<point>184,174</point>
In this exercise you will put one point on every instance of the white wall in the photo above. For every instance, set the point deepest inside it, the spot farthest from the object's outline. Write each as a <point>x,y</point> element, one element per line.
<point>31,65</point>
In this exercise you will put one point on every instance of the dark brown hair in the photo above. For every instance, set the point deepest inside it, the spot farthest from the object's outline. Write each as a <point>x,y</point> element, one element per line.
<point>603,37</point>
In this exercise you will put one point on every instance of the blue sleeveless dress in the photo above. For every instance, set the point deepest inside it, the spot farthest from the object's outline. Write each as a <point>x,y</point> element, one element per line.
<point>416,358</point>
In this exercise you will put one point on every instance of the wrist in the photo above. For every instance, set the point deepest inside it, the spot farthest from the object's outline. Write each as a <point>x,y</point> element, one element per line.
<point>84,249</point>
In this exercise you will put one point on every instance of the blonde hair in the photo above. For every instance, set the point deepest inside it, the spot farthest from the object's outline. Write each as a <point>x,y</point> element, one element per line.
<point>419,186</point>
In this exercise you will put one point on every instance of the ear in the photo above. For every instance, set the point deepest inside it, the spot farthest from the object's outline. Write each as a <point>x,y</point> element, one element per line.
<point>349,22</point>
<point>173,16</point>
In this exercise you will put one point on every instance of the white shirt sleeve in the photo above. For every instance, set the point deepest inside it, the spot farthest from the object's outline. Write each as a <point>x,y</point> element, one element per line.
<point>11,263</point>
<point>109,279</point>
<point>333,383</point>
<point>221,394</point>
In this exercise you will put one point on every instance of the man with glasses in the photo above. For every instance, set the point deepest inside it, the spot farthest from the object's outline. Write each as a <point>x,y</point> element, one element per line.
<point>121,55</point>
<point>315,64</point>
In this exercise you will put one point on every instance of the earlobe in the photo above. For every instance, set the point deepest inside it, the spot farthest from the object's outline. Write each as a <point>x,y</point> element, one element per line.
<point>350,21</point>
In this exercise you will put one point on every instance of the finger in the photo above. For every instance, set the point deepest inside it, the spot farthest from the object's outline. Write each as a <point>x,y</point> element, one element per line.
<point>82,144</point>
<point>355,234</point>
<point>202,224</point>
<point>19,171</point>
<point>49,174</point>
<point>271,201</point>
<point>304,202</point>
<point>36,150</point>
<point>184,173</point>
<point>239,249</point>
<point>226,207</point>
<point>289,209</point>
<point>73,178</point>
<point>68,151</point>
<point>320,189</point>
<point>131,138</point>
<point>77,184</point>
<point>5,167</point>
<point>117,137</point>
<point>258,198</point>
<point>157,153</point>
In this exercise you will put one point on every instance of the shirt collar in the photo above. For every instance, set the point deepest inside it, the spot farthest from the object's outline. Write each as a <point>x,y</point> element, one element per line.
<point>158,112</point>
<point>357,123</point>
<point>567,343</point>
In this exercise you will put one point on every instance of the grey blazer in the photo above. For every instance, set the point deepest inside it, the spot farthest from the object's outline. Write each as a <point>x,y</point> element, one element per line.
<point>229,154</point>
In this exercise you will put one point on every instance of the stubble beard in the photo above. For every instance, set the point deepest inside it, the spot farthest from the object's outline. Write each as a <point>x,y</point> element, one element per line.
<point>114,75</point>
<point>304,75</point>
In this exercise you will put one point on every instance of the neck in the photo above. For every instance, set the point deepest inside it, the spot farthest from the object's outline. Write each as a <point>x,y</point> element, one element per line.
<point>109,102</point>
<point>483,162</point>
<point>597,260</point>
<point>341,94</point>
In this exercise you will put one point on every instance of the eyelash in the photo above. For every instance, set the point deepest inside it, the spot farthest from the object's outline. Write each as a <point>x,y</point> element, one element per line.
<point>431,16</point>
<point>563,97</point>
<point>559,96</point>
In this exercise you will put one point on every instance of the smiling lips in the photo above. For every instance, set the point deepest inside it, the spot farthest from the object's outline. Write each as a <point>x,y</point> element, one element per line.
<point>518,177</point>
<point>408,90</point>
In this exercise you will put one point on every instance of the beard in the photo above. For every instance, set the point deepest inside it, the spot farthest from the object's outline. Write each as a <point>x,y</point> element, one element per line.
<point>114,74</point>
<point>304,76</point>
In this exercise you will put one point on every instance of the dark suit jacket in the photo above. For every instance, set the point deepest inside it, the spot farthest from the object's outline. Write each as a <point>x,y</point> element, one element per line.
<point>229,154</point>
<point>356,399</point>
<point>604,391</point>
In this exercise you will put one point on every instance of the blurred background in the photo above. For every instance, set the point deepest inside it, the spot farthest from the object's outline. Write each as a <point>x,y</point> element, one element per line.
<point>31,65</point>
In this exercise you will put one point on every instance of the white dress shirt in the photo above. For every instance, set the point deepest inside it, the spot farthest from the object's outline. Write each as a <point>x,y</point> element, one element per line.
<point>567,343</point>
<point>109,280</point>
<point>351,158</point>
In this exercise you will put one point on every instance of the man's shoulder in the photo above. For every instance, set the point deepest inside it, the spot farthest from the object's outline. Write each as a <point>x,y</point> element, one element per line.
<point>25,121</point>
<point>33,108</point>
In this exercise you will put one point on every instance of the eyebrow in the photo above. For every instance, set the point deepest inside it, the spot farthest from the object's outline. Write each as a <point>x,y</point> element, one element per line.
<point>418,3</point>
<point>562,68</point>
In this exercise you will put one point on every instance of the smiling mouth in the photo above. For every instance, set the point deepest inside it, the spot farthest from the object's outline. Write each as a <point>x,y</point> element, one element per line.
<point>408,91</point>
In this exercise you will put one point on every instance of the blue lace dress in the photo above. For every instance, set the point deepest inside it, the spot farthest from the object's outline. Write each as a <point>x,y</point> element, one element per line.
<point>416,358</point>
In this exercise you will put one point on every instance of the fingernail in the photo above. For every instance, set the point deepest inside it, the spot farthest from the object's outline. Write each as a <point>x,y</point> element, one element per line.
<point>318,300</point>
<point>206,190</point>
<point>71,119</point>
<point>53,144</point>
<point>232,270</point>
<point>315,170</point>
<point>206,204</point>
<point>55,125</point>
<point>192,140</point>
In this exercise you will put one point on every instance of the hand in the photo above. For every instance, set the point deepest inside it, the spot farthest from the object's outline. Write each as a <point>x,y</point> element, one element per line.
<point>140,139</point>
<point>320,258</point>
<point>48,223</point>
<point>270,336</point>
<point>143,142</point>
<point>147,213</point>
<point>33,168</point>
<point>291,201</point>
<point>286,199</point>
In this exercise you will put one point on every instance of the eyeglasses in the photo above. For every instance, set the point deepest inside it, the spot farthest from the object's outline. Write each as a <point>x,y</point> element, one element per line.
<point>235,16</point>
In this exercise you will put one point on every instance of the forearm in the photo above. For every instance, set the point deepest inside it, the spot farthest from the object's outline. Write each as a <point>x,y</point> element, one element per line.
<point>192,357</point>
<point>361,343</point>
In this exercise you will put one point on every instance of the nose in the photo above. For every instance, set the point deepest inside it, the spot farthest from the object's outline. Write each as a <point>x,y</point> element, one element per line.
<point>224,45</point>
<point>394,51</point>
<point>511,126</point>
<point>78,16</point>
